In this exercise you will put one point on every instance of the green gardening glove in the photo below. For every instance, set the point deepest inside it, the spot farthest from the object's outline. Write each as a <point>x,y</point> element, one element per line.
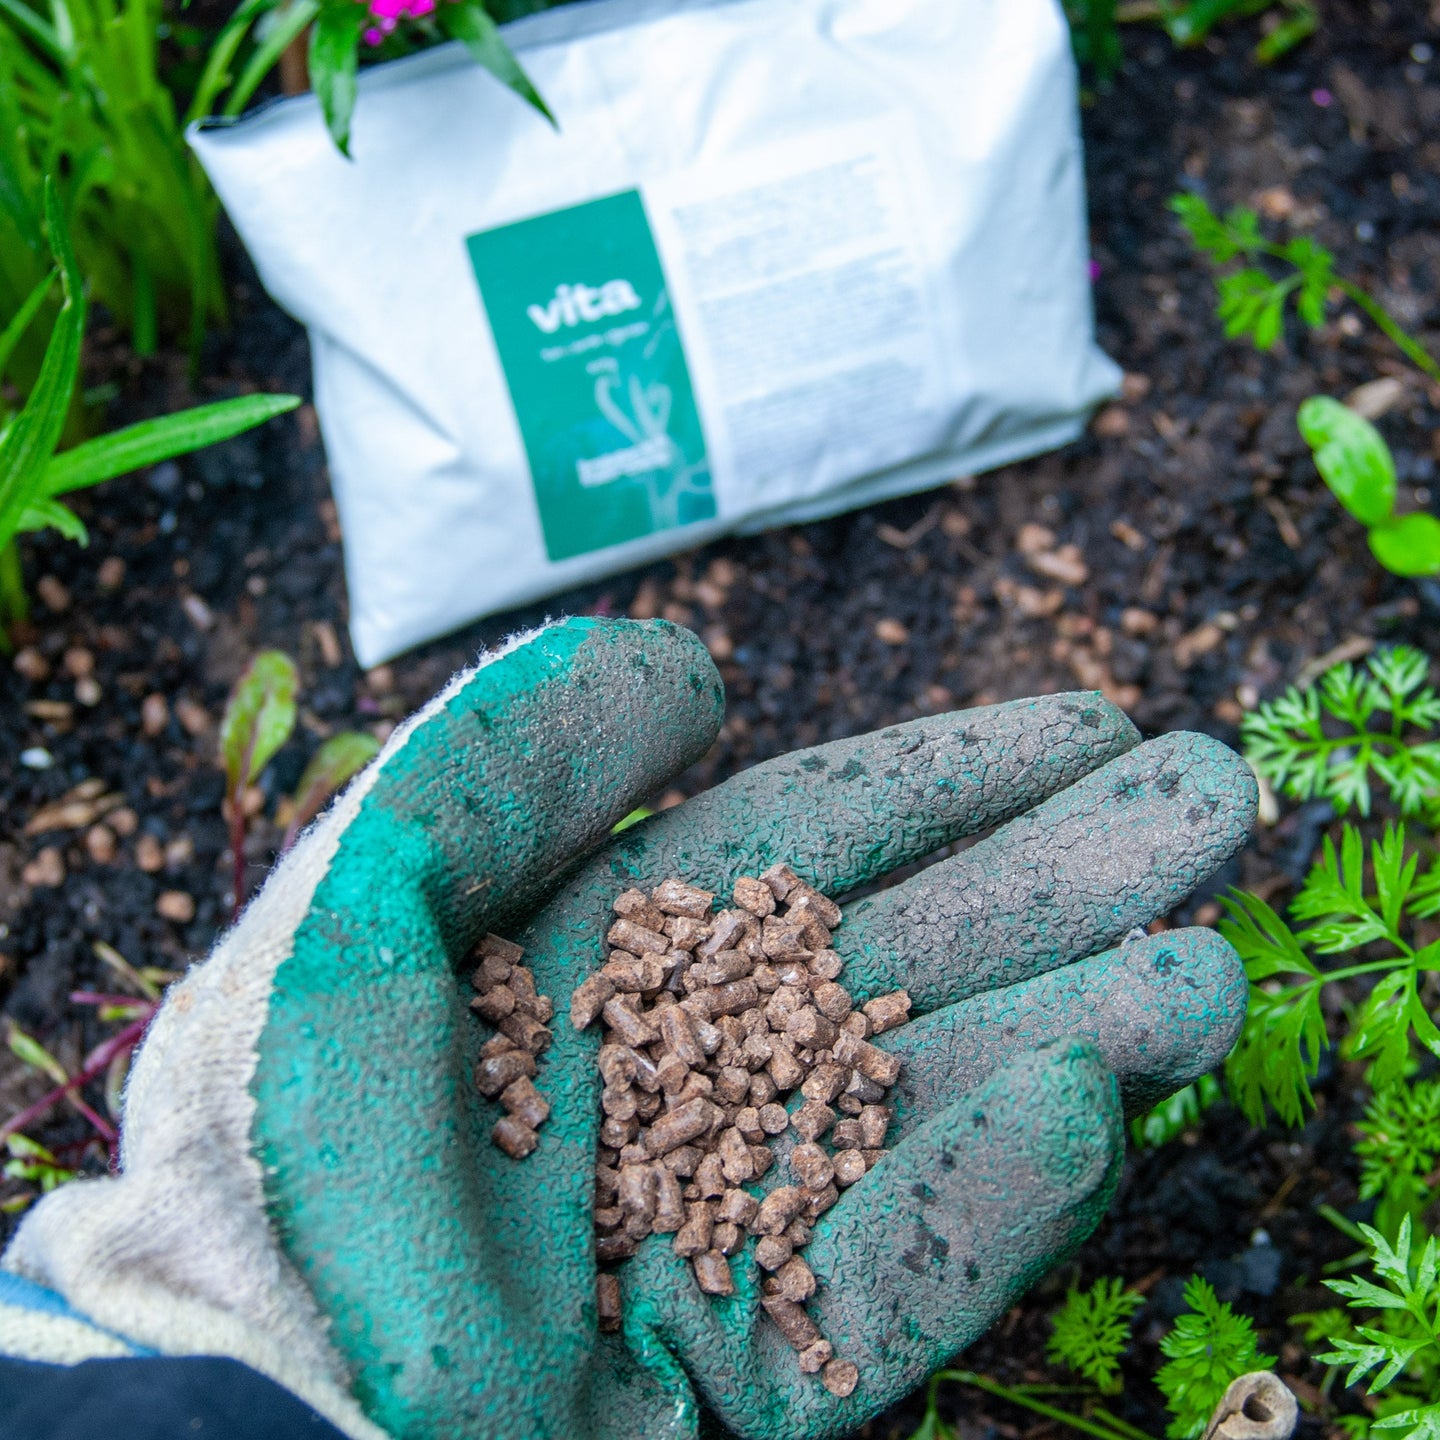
<point>308,1179</point>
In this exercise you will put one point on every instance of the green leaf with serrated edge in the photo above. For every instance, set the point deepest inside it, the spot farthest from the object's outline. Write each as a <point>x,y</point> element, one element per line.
<point>1278,1053</point>
<point>1423,1424</point>
<point>1394,873</point>
<point>1263,940</point>
<point>1090,1331</point>
<point>259,717</point>
<point>148,442</point>
<point>335,762</point>
<point>31,1052</point>
<point>1351,456</point>
<point>1205,1351</point>
<point>467,22</point>
<point>1424,901</point>
<point>333,66</point>
<point>1408,545</point>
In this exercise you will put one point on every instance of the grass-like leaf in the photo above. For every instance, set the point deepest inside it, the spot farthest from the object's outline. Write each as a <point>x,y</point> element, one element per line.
<point>148,442</point>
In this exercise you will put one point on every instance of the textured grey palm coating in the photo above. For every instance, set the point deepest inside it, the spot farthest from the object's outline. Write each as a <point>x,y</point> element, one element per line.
<point>1068,878</point>
<point>851,811</point>
<point>1159,1011</point>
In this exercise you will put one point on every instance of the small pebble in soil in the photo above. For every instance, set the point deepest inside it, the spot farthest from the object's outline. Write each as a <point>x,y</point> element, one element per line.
<point>176,905</point>
<point>46,870</point>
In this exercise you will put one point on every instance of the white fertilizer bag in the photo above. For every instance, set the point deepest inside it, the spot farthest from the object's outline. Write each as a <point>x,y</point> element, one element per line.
<point>781,258</point>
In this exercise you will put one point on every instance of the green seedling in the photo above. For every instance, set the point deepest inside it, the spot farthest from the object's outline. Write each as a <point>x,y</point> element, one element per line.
<point>1091,1330</point>
<point>259,718</point>
<point>1349,912</point>
<point>340,31</point>
<point>1094,25</point>
<point>33,476</point>
<point>31,1163</point>
<point>1207,1349</point>
<point>108,1062</point>
<point>1355,462</point>
<point>1333,740</point>
<point>1399,1151</point>
<point>1399,1349</point>
<point>1253,302</point>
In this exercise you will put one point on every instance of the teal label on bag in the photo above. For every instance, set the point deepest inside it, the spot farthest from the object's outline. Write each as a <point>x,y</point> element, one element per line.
<point>580,311</point>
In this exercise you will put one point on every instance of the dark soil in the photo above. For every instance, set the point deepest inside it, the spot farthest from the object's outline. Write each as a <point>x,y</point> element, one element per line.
<point>1210,567</point>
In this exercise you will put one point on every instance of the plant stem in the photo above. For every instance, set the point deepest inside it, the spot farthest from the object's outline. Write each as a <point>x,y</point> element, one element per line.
<point>1342,1223</point>
<point>13,605</point>
<point>1051,1412</point>
<point>1124,1426</point>
<point>95,1064</point>
<point>238,828</point>
<point>1411,348</point>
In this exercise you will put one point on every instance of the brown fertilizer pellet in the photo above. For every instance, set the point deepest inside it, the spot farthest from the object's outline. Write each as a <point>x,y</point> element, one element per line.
<point>506,1069</point>
<point>713,1021</point>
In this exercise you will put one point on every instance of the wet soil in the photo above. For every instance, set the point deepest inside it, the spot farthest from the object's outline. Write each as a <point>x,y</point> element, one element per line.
<point>1182,557</point>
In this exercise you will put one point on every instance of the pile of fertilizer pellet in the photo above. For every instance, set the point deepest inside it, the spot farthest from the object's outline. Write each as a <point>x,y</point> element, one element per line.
<point>712,1022</point>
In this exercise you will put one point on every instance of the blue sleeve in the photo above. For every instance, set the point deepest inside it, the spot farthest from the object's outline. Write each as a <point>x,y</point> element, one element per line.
<point>151,1398</point>
<point>133,1394</point>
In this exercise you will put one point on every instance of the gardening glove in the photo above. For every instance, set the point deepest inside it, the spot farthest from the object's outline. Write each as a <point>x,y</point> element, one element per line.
<point>308,1182</point>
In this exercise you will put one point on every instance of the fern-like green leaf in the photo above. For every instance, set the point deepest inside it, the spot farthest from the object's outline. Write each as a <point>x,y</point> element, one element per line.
<point>1205,1351</point>
<point>1092,1329</point>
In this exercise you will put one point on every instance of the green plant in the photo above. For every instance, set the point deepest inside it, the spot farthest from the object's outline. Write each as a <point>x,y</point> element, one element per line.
<point>1401,1344</point>
<point>108,1062</point>
<point>1355,462</point>
<point>1206,1350</point>
<point>81,100</point>
<point>1095,34</point>
<point>339,31</point>
<point>1328,740</point>
<point>1091,1330</point>
<point>259,718</point>
<point>1399,1151</point>
<point>32,1163</point>
<point>33,476</point>
<point>1253,301</point>
<point>1171,1118</point>
<point>1278,1052</point>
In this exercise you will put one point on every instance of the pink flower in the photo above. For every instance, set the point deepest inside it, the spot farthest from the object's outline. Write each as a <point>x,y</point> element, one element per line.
<point>372,36</point>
